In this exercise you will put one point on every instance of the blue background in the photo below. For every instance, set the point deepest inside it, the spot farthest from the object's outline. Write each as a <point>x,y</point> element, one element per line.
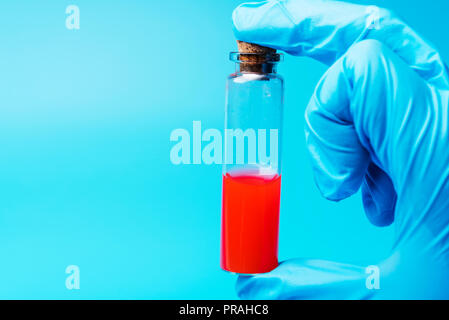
<point>85,171</point>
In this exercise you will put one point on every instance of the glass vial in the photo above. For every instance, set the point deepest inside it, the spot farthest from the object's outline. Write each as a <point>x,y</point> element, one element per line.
<point>252,164</point>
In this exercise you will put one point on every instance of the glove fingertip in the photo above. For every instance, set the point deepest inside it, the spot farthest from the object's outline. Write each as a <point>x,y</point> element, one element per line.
<point>243,20</point>
<point>260,287</point>
<point>242,287</point>
<point>375,215</point>
<point>378,197</point>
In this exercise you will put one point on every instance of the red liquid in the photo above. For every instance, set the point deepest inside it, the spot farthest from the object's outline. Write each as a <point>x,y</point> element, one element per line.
<point>250,223</point>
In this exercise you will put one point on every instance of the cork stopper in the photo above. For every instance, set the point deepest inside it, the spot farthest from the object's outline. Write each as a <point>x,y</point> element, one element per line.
<point>246,47</point>
<point>253,56</point>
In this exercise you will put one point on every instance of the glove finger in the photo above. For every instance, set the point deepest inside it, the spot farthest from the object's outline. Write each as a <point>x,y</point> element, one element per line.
<point>306,279</point>
<point>378,196</point>
<point>360,114</point>
<point>325,30</point>
<point>339,160</point>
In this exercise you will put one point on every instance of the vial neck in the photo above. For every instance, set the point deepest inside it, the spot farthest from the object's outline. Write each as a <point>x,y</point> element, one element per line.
<point>256,67</point>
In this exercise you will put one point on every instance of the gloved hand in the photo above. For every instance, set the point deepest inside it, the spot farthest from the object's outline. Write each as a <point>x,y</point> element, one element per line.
<point>379,121</point>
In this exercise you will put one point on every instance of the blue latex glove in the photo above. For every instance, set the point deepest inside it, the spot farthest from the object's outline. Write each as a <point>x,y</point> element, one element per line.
<point>378,121</point>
